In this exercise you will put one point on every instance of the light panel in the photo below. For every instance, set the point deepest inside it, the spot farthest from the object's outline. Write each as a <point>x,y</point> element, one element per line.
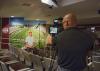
<point>49,2</point>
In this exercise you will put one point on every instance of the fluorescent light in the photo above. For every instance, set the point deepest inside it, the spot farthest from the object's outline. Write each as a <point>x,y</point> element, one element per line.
<point>45,1</point>
<point>70,2</point>
<point>49,2</point>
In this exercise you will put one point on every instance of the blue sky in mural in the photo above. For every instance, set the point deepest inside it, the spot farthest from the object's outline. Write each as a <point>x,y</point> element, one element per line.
<point>16,21</point>
<point>20,21</point>
<point>34,22</point>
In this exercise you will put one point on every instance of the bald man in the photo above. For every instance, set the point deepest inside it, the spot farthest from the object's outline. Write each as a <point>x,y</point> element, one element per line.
<point>72,45</point>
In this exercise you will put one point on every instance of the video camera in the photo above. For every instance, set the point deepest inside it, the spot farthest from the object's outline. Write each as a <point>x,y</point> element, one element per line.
<point>56,27</point>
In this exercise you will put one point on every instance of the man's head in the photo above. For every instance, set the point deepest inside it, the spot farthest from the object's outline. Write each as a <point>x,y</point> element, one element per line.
<point>30,33</point>
<point>69,20</point>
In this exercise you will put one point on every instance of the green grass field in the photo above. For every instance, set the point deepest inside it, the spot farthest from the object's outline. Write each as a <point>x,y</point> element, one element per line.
<point>17,38</point>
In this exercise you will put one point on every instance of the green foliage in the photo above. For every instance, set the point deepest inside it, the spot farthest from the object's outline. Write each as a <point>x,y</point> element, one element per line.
<point>17,38</point>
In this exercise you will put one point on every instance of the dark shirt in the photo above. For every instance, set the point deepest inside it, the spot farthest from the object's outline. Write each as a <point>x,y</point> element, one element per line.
<point>72,46</point>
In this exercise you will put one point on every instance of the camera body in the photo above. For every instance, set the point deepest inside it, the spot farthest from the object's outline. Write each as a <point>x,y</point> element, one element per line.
<point>56,27</point>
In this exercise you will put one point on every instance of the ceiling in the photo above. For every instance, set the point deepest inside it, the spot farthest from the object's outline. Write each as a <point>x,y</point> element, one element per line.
<point>86,11</point>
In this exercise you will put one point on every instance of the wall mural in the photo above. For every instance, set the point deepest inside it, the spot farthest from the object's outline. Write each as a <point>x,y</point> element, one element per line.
<point>27,33</point>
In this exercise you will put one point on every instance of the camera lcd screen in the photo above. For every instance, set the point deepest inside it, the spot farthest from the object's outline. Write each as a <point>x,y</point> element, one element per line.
<point>53,30</point>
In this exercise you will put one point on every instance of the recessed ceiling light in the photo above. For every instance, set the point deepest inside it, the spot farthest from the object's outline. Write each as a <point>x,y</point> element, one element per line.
<point>12,16</point>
